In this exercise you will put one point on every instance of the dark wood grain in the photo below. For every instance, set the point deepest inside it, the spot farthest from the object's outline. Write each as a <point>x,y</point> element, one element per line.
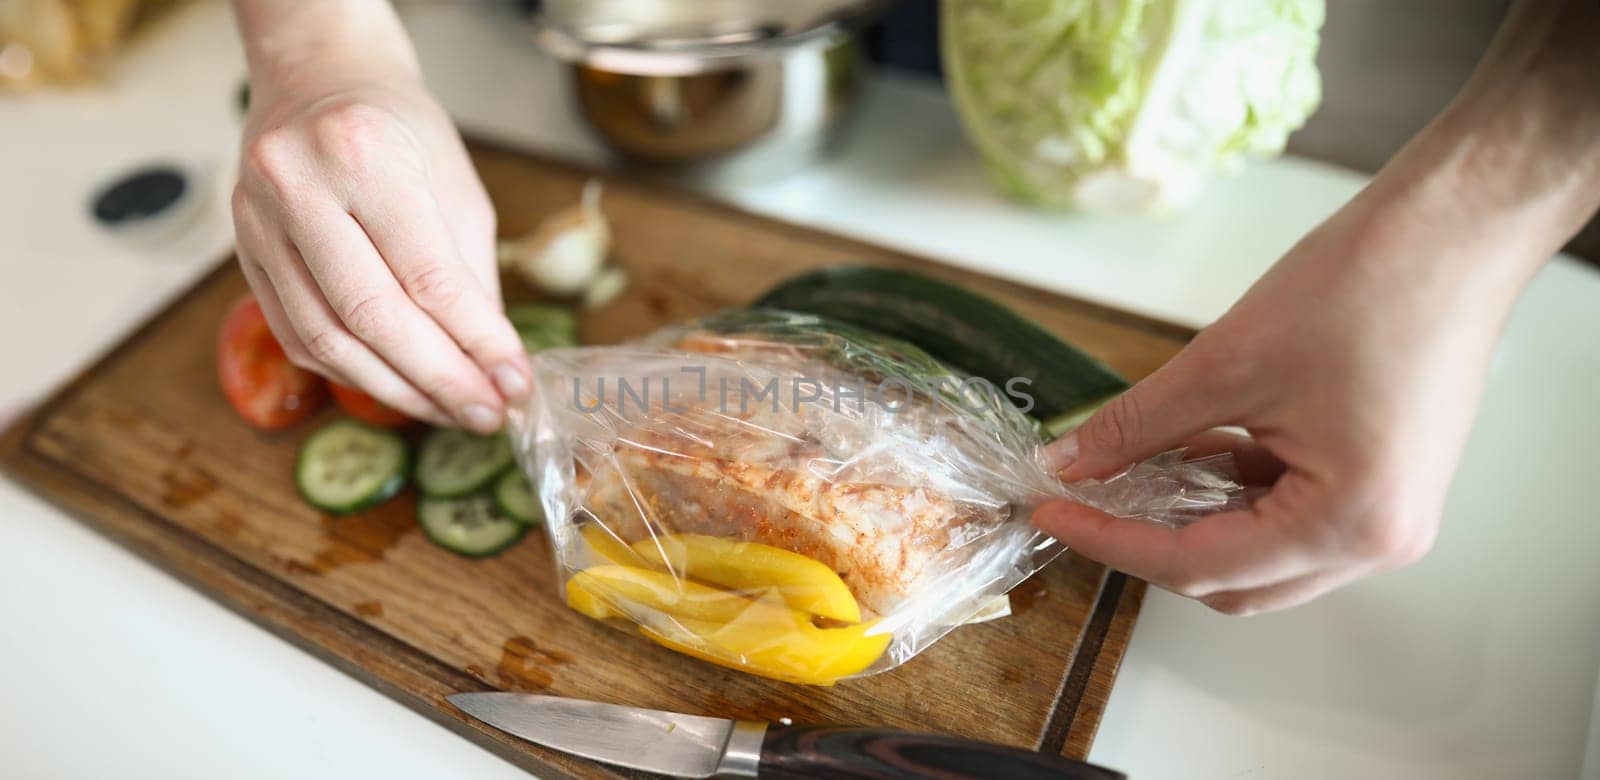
<point>143,447</point>
<point>1100,667</point>
<point>844,753</point>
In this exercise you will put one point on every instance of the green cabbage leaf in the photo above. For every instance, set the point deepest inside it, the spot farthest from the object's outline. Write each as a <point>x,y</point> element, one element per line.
<point>1128,105</point>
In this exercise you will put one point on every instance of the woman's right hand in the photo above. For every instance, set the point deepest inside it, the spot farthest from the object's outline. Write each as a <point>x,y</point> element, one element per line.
<point>363,228</point>
<point>1355,365</point>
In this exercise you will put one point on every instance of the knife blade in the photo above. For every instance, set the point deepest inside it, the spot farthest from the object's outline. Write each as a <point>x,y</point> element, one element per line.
<point>696,746</point>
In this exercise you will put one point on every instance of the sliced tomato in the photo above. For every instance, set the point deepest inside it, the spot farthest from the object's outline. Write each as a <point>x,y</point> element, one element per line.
<point>265,389</point>
<point>365,408</point>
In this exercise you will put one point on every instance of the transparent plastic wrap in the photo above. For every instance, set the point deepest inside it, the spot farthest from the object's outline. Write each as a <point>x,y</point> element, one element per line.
<point>798,498</point>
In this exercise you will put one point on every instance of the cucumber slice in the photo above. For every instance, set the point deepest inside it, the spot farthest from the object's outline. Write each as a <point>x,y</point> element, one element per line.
<point>468,526</point>
<point>346,466</point>
<point>542,326</point>
<point>963,329</point>
<point>454,463</point>
<point>513,496</point>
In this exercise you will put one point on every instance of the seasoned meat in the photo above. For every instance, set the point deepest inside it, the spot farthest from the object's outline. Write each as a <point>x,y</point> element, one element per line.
<point>830,482</point>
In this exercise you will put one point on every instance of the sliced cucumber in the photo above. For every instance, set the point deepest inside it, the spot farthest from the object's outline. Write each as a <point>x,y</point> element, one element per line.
<point>542,326</point>
<point>454,463</point>
<point>965,330</point>
<point>513,496</point>
<point>468,526</point>
<point>346,466</point>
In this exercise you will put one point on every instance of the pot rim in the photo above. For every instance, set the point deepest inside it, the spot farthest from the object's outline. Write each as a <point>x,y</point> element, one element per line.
<point>685,58</point>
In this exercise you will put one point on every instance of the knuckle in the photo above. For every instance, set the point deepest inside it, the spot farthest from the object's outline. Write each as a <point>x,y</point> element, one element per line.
<point>1380,537</point>
<point>435,287</point>
<point>306,362</point>
<point>1184,584</point>
<point>1117,426</point>
<point>1416,548</point>
<point>270,158</point>
<point>1384,521</point>
<point>351,132</point>
<point>371,317</point>
<point>302,359</point>
<point>296,352</point>
<point>328,346</point>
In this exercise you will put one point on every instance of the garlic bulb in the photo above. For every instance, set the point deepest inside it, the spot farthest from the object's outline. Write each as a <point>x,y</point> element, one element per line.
<point>563,255</point>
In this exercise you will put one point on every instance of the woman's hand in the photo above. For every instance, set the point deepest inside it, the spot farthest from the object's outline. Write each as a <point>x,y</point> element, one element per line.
<point>362,226</point>
<point>1357,378</point>
<point>1356,364</point>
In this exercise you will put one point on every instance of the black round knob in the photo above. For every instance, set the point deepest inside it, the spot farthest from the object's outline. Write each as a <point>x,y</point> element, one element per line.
<point>140,195</point>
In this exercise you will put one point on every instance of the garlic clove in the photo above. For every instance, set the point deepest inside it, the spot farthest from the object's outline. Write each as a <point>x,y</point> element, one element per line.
<point>607,286</point>
<point>564,255</point>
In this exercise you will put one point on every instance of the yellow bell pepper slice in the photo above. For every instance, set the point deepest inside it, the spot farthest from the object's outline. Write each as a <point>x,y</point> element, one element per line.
<point>763,637</point>
<point>802,582</point>
<point>603,548</point>
<point>782,651</point>
<point>610,590</point>
<point>587,602</point>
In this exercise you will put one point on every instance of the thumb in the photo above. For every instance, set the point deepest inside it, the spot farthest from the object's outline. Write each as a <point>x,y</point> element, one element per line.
<point>1179,400</point>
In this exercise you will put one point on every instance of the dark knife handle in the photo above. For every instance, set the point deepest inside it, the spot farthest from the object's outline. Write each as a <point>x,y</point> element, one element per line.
<point>874,754</point>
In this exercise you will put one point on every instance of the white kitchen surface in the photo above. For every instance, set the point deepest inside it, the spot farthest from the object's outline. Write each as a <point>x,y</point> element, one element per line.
<point>1482,661</point>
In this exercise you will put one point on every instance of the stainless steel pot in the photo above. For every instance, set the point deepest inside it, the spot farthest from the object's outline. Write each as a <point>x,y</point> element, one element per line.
<point>740,88</point>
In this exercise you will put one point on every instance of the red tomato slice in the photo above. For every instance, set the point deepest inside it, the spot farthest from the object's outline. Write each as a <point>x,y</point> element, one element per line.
<point>365,408</point>
<point>265,389</point>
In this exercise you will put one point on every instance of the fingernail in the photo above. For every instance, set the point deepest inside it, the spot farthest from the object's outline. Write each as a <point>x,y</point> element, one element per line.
<point>509,381</point>
<point>1063,452</point>
<point>480,418</point>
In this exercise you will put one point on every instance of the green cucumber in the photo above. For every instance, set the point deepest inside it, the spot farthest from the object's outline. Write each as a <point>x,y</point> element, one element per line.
<point>960,328</point>
<point>346,466</point>
<point>513,496</point>
<point>468,526</point>
<point>452,463</point>
<point>542,326</point>
<point>1061,425</point>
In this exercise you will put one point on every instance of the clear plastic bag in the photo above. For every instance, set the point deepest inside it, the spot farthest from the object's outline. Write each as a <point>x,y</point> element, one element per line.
<point>798,498</point>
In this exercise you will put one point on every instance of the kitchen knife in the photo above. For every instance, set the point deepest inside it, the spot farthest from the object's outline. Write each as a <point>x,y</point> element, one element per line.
<point>695,746</point>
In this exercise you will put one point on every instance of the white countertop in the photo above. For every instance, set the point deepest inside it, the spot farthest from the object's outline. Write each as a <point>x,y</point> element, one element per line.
<point>1481,661</point>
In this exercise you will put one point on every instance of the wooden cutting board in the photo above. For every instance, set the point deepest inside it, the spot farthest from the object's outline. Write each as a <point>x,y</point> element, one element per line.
<point>143,447</point>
